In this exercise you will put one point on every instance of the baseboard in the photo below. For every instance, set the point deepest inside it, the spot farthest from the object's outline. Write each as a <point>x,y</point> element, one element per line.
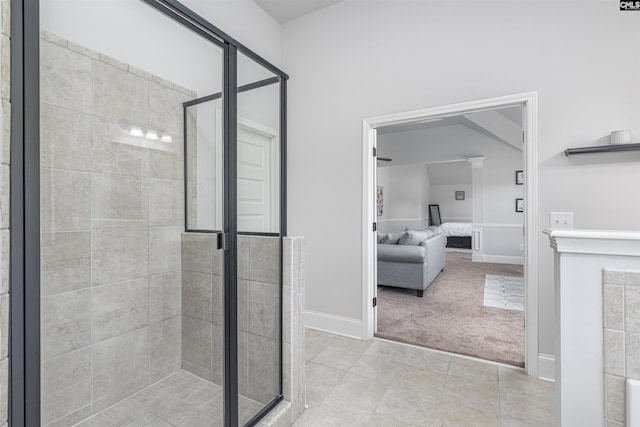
<point>546,367</point>
<point>498,259</point>
<point>335,324</point>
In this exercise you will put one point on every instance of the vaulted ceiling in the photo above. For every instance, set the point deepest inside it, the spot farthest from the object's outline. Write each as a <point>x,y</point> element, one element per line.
<point>288,10</point>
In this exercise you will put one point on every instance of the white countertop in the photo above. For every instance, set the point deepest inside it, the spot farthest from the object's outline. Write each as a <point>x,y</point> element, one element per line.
<point>605,242</point>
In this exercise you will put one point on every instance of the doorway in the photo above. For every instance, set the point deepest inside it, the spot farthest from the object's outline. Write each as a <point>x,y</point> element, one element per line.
<point>370,208</point>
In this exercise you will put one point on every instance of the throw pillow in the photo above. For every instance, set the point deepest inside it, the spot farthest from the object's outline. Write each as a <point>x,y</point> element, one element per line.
<point>392,238</point>
<point>381,237</point>
<point>414,237</point>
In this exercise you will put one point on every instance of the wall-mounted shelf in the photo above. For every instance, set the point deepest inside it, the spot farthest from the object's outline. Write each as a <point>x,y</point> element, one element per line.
<point>602,149</point>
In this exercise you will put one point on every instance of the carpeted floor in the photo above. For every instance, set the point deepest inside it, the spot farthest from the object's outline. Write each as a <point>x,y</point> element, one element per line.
<point>451,315</point>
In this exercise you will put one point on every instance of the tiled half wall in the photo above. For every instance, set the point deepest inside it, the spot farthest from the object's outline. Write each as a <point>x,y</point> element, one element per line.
<point>258,314</point>
<point>621,340</point>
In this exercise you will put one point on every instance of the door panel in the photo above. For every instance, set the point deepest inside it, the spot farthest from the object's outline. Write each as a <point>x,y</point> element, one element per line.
<point>255,184</point>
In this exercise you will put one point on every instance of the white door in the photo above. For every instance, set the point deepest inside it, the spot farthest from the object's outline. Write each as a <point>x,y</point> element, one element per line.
<point>256,181</point>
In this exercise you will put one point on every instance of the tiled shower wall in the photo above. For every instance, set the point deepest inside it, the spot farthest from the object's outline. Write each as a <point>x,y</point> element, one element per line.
<point>5,143</point>
<point>112,216</point>
<point>202,306</point>
<point>621,340</point>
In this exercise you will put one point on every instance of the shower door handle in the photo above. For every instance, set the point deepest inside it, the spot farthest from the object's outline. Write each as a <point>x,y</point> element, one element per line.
<point>223,241</point>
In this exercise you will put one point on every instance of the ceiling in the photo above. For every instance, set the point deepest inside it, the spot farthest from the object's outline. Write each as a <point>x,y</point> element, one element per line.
<point>288,10</point>
<point>503,125</point>
<point>446,142</point>
<point>514,114</point>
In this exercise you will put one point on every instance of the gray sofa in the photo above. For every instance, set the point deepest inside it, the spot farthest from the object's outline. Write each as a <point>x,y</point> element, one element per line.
<point>413,262</point>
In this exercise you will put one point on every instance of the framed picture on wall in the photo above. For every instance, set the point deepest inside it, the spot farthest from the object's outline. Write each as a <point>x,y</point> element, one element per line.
<point>519,177</point>
<point>459,195</point>
<point>380,200</point>
<point>519,205</point>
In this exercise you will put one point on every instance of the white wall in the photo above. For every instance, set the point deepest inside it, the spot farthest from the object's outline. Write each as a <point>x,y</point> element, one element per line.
<point>502,228</point>
<point>406,197</point>
<point>363,59</point>
<point>452,210</point>
<point>500,189</point>
<point>136,34</point>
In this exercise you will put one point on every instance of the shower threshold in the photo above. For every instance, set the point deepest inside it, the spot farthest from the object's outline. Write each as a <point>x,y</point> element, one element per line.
<point>181,399</point>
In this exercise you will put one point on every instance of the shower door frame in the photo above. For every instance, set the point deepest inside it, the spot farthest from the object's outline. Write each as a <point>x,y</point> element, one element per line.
<point>24,330</point>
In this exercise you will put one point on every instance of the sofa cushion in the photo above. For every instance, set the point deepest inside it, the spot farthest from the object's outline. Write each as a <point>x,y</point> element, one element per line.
<point>392,238</point>
<point>401,253</point>
<point>414,237</point>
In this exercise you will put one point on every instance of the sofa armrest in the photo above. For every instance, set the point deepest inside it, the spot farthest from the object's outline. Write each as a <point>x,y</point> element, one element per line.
<point>438,242</point>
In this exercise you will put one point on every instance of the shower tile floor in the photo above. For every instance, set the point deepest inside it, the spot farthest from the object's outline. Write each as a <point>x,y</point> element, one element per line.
<point>182,399</point>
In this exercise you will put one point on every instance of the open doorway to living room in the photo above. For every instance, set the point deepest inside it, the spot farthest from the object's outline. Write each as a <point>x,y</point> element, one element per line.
<point>450,233</point>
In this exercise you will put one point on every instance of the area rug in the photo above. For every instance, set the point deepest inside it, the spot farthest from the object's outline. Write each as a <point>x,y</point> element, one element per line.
<point>452,316</point>
<point>504,292</point>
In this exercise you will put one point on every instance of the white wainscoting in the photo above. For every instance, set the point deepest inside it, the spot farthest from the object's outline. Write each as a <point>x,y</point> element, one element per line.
<point>498,243</point>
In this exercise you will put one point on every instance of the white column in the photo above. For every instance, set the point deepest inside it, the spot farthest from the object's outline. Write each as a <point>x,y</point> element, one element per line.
<point>477,188</point>
<point>580,257</point>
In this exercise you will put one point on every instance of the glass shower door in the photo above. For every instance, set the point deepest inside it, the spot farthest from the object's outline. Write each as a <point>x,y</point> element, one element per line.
<point>259,238</point>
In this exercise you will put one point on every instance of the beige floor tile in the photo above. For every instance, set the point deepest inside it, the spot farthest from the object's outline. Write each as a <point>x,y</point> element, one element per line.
<point>408,406</point>
<point>423,358</point>
<point>517,380</point>
<point>96,421</point>
<point>201,397</point>
<point>333,413</point>
<point>314,347</point>
<point>322,378</point>
<point>379,420</point>
<point>214,407</point>
<point>337,358</point>
<point>201,419</point>
<point>468,368</point>
<point>527,408</point>
<point>376,368</point>
<point>158,422</point>
<point>172,410</point>
<point>426,388</point>
<point>315,397</point>
<point>129,412</point>
<point>388,350</point>
<point>472,390</point>
<point>426,381</point>
<point>453,413</point>
<point>359,391</point>
<point>350,344</point>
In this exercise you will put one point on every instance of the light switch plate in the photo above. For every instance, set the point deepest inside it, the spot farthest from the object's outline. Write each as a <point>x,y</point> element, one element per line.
<point>561,220</point>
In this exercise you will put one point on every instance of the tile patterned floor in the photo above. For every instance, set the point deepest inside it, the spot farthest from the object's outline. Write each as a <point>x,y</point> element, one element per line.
<point>358,383</point>
<point>182,399</point>
<point>381,383</point>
